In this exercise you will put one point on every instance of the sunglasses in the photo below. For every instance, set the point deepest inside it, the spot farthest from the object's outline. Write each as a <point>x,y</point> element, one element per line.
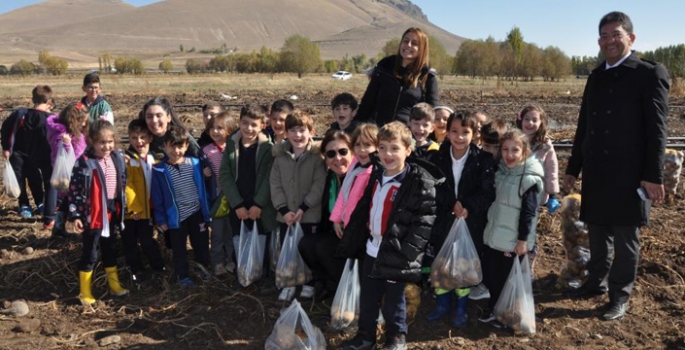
<point>332,153</point>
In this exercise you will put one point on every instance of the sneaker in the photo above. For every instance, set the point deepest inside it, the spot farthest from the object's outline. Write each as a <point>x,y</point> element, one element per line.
<point>219,269</point>
<point>487,317</point>
<point>26,212</point>
<point>307,292</point>
<point>49,226</point>
<point>357,343</point>
<point>287,294</point>
<point>479,292</point>
<point>186,282</point>
<point>230,267</point>
<point>396,343</point>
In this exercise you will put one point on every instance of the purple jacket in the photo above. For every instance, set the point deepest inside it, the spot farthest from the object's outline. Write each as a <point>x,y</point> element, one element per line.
<point>55,132</point>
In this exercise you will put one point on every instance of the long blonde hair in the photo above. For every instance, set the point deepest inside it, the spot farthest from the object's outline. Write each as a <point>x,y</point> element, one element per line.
<point>415,68</point>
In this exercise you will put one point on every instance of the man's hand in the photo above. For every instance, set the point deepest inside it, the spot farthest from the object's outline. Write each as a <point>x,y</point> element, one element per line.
<point>255,212</point>
<point>460,211</point>
<point>242,213</point>
<point>655,192</point>
<point>569,182</point>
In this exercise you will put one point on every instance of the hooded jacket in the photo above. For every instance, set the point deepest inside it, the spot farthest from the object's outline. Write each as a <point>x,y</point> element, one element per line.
<point>298,183</point>
<point>164,206</point>
<point>55,130</point>
<point>388,98</point>
<point>408,227</point>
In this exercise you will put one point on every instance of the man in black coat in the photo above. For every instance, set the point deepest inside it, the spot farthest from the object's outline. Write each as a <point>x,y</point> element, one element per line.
<point>619,146</point>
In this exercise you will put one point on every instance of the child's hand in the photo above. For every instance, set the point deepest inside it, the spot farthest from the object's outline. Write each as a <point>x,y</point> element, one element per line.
<point>289,218</point>
<point>6,154</point>
<point>78,226</point>
<point>298,215</point>
<point>338,229</point>
<point>459,211</point>
<point>521,248</point>
<point>163,227</point>
<point>242,213</point>
<point>208,172</point>
<point>66,139</point>
<point>255,212</point>
<point>136,216</point>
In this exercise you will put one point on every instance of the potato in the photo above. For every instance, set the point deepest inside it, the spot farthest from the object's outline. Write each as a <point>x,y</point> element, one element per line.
<point>348,317</point>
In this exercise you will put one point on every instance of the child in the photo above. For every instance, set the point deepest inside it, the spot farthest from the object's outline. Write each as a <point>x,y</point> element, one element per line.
<point>482,119</point>
<point>344,109</point>
<point>364,141</point>
<point>421,120</point>
<point>297,180</point>
<point>25,145</point>
<point>532,120</point>
<point>467,193</point>
<point>276,129</point>
<point>513,216</point>
<point>442,113</point>
<point>97,106</point>
<point>490,134</point>
<point>138,219</point>
<point>68,128</point>
<point>221,251</point>
<point>389,229</point>
<point>209,111</point>
<point>96,206</point>
<point>179,203</point>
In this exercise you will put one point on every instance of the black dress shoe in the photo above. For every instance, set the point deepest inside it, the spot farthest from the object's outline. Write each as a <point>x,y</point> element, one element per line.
<point>615,311</point>
<point>583,292</point>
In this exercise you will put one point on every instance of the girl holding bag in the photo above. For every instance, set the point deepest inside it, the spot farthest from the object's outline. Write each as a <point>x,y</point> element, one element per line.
<point>513,217</point>
<point>66,129</point>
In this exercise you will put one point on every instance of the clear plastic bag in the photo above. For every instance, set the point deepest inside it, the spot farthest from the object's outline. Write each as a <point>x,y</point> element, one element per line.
<point>274,248</point>
<point>61,171</point>
<point>292,270</point>
<point>250,254</point>
<point>457,265</point>
<point>345,307</point>
<point>10,180</point>
<point>294,331</point>
<point>515,307</point>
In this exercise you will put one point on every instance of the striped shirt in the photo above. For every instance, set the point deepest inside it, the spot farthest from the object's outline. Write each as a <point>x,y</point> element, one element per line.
<point>186,192</point>
<point>384,193</point>
<point>213,153</point>
<point>107,166</point>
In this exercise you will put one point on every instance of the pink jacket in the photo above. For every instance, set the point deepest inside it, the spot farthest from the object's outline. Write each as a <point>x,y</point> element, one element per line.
<point>55,131</point>
<point>356,180</point>
<point>545,153</point>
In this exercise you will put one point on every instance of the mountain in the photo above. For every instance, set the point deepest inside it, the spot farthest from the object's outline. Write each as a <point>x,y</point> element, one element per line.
<point>339,26</point>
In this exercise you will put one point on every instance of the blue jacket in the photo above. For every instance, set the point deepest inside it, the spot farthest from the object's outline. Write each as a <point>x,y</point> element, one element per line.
<point>164,198</point>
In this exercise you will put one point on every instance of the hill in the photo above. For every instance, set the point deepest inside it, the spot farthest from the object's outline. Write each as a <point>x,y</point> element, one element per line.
<point>339,26</point>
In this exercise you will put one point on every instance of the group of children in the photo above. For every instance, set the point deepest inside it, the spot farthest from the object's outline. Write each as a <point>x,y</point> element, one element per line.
<point>397,203</point>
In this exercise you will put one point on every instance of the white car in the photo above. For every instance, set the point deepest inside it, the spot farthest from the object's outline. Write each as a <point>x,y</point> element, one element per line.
<point>341,75</point>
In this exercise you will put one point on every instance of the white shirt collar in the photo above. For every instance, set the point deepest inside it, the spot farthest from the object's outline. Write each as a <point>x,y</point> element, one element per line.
<point>607,66</point>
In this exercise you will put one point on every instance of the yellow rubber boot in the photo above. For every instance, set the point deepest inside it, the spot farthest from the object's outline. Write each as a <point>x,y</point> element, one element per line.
<point>85,278</point>
<point>113,280</point>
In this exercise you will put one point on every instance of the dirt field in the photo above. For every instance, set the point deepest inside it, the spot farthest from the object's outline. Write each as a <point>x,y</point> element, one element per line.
<point>160,315</point>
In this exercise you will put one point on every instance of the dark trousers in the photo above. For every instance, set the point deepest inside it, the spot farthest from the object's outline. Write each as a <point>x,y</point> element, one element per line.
<point>394,304</point>
<point>318,252</point>
<point>235,232</point>
<point>496,269</point>
<point>25,170</point>
<point>92,241</point>
<point>621,273</point>
<point>140,232</point>
<point>194,228</point>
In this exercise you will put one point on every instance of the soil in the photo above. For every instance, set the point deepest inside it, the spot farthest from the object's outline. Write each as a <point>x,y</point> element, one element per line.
<point>215,315</point>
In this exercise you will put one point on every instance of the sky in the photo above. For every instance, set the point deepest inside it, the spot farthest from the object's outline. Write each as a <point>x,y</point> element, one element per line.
<point>569,25</point>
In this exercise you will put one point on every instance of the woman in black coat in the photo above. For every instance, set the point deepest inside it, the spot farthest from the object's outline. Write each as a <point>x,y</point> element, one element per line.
<point>399,82</point>
<point>158,114</point>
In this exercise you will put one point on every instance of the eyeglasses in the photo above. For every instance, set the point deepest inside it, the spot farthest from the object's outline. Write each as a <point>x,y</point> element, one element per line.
<point>332,153</point>
<point>614,36</point>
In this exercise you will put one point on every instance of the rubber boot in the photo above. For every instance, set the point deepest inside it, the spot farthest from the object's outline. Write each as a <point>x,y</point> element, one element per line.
<point>113,280</point>
<point>460,317</point>
<point>86,296</point>
<point>442,306</point>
